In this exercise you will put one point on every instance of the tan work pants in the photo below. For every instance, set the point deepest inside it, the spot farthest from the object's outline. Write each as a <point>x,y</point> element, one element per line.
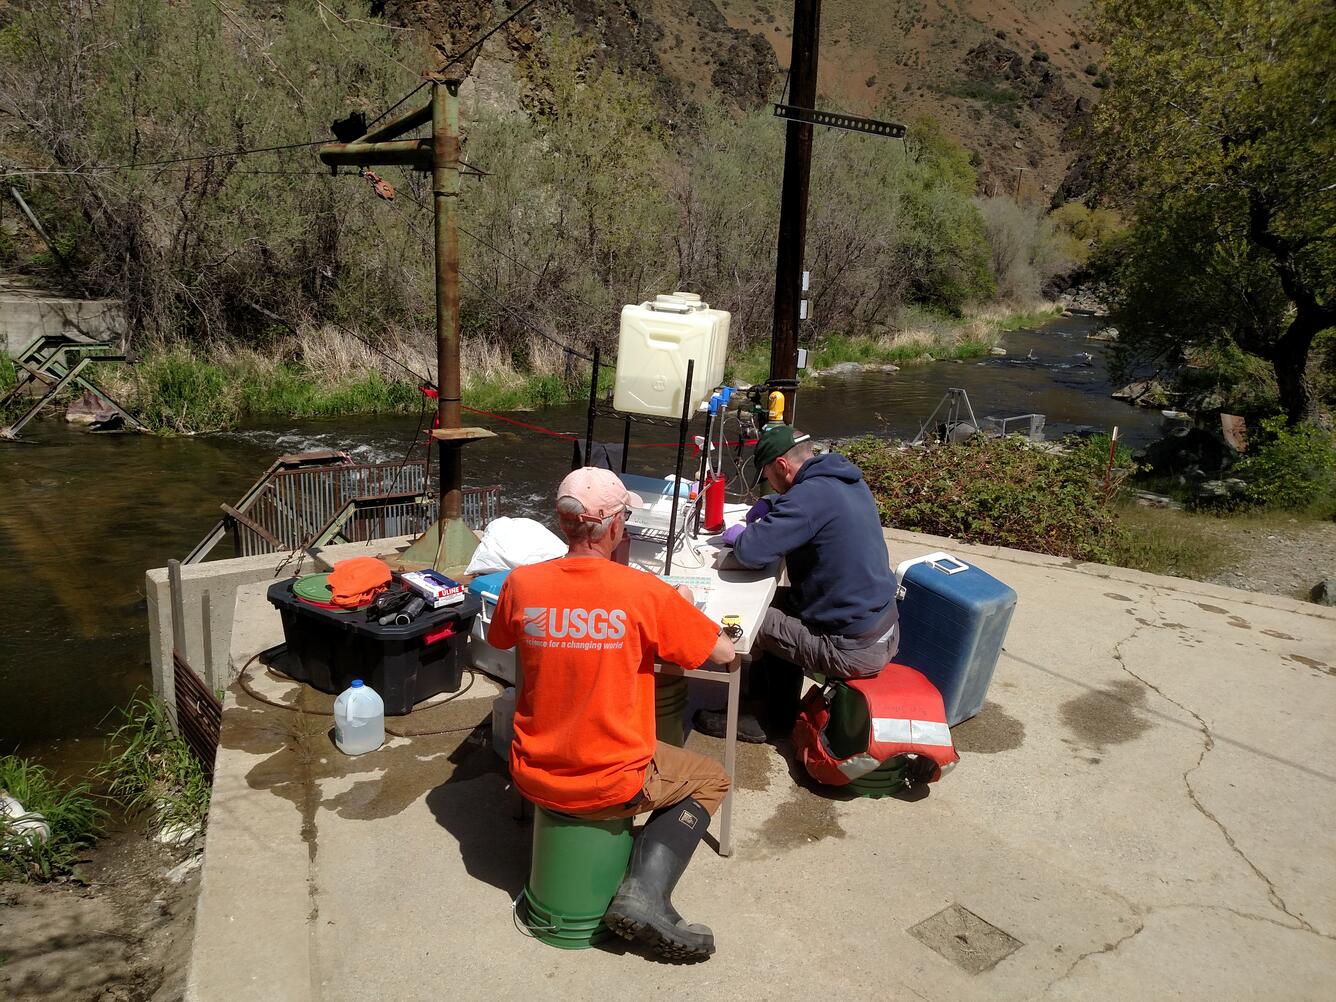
<point>672,775</point>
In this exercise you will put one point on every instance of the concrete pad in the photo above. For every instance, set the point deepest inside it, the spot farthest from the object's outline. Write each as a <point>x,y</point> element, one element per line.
<point>1145,805</point>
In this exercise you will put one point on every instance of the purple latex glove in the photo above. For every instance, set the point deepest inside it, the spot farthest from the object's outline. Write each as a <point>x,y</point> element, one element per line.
<point>760,509</point>
<point>731,534</point>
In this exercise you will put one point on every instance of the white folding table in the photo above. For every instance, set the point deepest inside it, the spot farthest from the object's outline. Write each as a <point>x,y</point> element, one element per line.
<point>733,591</point>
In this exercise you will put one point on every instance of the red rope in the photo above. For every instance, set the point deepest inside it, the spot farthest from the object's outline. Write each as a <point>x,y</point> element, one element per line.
<point>523,424</point>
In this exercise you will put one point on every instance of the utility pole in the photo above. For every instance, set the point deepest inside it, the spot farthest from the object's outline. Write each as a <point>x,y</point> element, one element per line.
<point>1020,172</point>
<point>793,201</point>
<point>449,543</point>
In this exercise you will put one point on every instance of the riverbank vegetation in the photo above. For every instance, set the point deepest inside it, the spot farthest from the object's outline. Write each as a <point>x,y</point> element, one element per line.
<point>40,848</point>
<point>150,768</point>
<point>330,372</point>
<point>147,769</point>
<point>920,336</point>
<point>592,200</point>
<point>1072,503</point>
<point>995,491</point>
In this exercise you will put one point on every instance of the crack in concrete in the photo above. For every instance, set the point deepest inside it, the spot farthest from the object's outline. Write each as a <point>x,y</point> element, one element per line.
<point>1106,948</point>
<point>1208,743</point>
<point>310,804</point>
<point>1249,916</point>
<point>1143,918</point>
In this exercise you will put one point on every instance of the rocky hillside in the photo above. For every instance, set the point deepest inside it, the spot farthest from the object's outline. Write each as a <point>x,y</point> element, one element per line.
<point>1008,78</point>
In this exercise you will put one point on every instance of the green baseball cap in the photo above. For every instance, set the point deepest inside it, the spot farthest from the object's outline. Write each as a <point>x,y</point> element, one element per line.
<point>773,443</point>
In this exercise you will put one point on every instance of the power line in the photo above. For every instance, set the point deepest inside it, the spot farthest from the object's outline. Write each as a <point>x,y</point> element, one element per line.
<point>396,104</point>
<point>203,156</point>
<point>38,172</point>
<point>524,321</point>
<point>501,24</point>
<point>509,257</point>
<point>454,59</point>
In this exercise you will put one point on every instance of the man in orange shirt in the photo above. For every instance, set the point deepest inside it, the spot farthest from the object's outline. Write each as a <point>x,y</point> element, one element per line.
<point>588,632</point>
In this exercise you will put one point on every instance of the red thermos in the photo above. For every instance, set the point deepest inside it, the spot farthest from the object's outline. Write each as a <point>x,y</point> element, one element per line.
<point>714,503</point>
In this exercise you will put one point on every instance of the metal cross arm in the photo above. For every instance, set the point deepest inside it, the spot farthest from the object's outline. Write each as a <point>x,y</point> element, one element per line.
<point>404,152</point>
<point>849,123</point>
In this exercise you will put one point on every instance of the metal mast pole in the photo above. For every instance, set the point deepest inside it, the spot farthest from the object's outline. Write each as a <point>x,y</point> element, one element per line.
<point>445,200</point>
<point>793,199</point>
<point>449,543</point>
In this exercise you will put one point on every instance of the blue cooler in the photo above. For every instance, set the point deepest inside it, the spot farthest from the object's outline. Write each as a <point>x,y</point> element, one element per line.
<point>482,655</point>
<point>953,619</point>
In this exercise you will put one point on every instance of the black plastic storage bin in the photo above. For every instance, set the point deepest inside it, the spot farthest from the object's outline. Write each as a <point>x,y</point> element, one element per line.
<point>405,664</point>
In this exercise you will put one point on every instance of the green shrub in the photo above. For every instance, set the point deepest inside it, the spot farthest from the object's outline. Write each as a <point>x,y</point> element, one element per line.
<point>177,391</point>
<point>992,491</point>
<point>150,767</point>
<point>74,817</point>
<point>1092,453</point>
<point>1291,467</point>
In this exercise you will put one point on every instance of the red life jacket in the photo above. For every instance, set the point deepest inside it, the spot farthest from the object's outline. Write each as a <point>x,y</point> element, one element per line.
<point>907,718</point>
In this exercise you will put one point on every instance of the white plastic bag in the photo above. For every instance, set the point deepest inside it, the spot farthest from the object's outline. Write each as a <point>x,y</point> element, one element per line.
<point>508,543</point>
<point>20,825</point>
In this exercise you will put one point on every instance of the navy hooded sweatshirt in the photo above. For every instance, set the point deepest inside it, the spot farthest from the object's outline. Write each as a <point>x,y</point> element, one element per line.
<point>827,529</point>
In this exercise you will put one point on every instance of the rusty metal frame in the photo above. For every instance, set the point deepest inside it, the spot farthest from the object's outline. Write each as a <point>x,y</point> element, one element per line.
<point>43,361</point>
<point>300,497</point>
<point>196,711</point>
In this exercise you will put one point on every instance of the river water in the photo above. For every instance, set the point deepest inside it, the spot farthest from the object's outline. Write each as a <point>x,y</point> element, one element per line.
<point>82,516</point>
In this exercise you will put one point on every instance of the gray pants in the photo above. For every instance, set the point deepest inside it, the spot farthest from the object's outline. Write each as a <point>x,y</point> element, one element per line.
<point>786,637</point>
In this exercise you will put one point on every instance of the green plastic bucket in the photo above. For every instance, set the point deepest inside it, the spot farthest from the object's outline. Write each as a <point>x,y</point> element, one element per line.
<point>670,704</point>
<point>576,868</point>
<point>847,734</point>
<point>887,779</point>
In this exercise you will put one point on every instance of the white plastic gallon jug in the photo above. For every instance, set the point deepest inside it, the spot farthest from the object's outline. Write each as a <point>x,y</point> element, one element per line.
<point>503,723</point>
<point>359,719</point>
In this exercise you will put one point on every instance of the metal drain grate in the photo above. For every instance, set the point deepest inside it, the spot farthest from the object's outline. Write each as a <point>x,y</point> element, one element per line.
<point>966,940</point>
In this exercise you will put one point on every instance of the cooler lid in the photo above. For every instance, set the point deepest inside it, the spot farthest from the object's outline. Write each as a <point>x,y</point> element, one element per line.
<point>940,560</point>
<point>488,583</point>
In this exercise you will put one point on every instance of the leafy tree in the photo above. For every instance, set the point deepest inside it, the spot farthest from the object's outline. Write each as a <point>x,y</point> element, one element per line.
<point>211,246</point>
<point>1220,132</point>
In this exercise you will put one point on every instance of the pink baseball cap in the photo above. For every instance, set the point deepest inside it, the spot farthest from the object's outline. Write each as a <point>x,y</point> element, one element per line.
<point>600,491</point>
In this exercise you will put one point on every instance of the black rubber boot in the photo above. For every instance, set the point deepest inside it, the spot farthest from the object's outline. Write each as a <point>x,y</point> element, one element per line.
<point>715,724</point>
<point>643,908</point>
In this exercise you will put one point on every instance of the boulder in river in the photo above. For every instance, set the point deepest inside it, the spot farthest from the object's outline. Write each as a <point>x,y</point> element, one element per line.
<point>841,369</point>
<point>1143,393</point>
<point>1104,334</point>
<point>89,409</point>
<point>1324,592</point>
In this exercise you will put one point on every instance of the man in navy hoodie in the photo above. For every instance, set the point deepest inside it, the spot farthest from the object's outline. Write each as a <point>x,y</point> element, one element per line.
<point>838,617</point>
